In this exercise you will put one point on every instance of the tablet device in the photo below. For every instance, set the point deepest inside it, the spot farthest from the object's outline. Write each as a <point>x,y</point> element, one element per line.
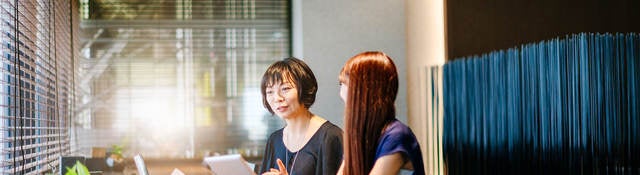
<point>229,165</point>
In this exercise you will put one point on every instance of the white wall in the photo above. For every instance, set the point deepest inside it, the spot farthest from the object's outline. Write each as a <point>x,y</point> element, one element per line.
<point>335,30</point>
<point>425,47</point>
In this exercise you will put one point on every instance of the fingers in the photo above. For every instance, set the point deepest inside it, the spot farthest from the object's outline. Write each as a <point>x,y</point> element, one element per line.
<point>283,169</point>
<point>272,171</point>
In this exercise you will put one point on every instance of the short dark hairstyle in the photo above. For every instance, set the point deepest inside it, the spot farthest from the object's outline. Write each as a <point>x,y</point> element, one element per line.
<point>296,71</point>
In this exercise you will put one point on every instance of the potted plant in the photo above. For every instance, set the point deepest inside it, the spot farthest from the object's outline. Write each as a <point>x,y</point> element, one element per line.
<point>115,159</point>
<point>77,169</point>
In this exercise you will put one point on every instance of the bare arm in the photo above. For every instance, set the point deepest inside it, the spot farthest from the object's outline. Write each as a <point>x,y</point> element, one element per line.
<point>341,168</point>
<point>389,164</point>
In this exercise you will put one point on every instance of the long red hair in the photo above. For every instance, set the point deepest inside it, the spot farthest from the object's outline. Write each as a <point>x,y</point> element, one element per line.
<point>372,81</point>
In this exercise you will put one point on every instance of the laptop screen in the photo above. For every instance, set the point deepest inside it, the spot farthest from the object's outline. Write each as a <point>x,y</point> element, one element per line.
<point>142,168</point>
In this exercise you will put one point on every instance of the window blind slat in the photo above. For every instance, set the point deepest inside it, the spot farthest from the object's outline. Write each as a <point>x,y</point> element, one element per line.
<point>32,132</point>
<point>187,73</point>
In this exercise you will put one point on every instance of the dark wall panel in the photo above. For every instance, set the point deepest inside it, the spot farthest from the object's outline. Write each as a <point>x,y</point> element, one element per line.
<point>480,26</point>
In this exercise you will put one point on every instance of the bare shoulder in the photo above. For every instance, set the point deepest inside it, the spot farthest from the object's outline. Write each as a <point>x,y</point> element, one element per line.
<point>317,120</point>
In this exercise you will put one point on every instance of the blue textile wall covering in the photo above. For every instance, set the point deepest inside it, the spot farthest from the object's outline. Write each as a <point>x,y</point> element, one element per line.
<point>568,105</point>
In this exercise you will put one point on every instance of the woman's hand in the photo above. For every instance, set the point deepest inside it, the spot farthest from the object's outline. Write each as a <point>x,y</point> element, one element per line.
<point>282,170</point>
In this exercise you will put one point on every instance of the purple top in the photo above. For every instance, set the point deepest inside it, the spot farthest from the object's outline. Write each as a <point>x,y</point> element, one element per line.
<point>398,138</point>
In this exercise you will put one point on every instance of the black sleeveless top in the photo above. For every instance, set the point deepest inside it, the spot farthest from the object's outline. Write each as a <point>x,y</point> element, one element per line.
<point>321,155</point>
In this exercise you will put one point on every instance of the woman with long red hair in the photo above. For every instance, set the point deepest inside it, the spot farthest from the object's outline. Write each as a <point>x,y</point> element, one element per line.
<point>375,142</point>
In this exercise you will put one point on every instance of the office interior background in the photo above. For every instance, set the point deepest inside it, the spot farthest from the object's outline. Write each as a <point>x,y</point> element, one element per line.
<point>180,79</point>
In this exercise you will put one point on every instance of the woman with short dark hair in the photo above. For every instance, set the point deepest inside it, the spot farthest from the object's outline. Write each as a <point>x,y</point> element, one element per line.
<point>308,144</point>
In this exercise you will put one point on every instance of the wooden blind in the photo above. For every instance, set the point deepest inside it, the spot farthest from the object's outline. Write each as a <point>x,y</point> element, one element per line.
<point>35,83</point>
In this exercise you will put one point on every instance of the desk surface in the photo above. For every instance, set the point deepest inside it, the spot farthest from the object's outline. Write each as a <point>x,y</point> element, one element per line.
<point>165,167</point>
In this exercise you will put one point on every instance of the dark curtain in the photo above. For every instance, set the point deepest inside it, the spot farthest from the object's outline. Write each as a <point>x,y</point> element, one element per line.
<point>568,105</point>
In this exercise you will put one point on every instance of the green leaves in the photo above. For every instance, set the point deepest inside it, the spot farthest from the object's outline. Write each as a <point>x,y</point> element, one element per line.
<point>77,169</point>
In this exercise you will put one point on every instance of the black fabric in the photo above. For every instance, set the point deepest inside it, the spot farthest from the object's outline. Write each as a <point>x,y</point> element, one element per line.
<point>321,155</point>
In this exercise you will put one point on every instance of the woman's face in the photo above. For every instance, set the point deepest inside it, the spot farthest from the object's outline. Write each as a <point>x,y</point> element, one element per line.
<point>283,99</point>
<point>343,91</point>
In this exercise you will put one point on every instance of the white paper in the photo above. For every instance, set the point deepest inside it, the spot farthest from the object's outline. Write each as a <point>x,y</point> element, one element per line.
<point>177,171</point>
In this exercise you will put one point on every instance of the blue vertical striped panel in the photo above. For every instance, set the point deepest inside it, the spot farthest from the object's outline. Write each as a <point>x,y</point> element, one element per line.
<point>562,106</point>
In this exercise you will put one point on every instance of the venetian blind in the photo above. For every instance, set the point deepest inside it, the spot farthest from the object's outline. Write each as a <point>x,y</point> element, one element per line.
<point>178,78</point>
<point>35,84</point>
